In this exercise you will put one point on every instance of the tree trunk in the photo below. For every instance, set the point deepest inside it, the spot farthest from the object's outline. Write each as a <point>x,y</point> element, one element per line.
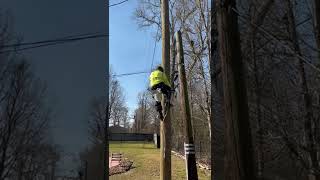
<point>238,145</point>
<point>207,109</point>
<point>207,97</point>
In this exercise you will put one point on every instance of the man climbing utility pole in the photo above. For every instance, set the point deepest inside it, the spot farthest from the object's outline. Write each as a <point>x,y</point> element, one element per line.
<point>160,85</point>
<point>189,148</point>
<point>165,125</point>
<point>238,146</point>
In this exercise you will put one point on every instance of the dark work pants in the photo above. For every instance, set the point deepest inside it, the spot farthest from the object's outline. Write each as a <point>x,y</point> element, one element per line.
<point>164,90</point>
<point>163,87</point>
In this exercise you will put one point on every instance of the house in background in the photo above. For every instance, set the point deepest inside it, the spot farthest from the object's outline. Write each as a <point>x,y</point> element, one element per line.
<point>118,129</point>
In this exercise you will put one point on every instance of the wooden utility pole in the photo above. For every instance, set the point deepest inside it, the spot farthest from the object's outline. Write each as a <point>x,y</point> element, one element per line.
<point>189,149</point>
<point>106,121</point>
<point>238,146</point>
<point>165,124</point>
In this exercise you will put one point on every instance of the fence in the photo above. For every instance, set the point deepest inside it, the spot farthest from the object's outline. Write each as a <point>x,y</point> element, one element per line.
<point>131,137</point>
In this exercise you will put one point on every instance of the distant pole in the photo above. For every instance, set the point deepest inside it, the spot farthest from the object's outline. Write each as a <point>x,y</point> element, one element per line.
<point>106,122</point>
<point>189,141</point>
<point>165,124</point>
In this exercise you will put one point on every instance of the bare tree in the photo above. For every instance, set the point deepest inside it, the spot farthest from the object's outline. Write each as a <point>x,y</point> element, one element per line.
<point>23,119</point>
<point>117,107</point>
<point>145,119</point>
<point>118,111</point>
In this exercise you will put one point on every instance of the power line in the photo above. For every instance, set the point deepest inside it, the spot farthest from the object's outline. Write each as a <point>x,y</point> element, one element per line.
<point>38,44</point>
<point>130,74</point>
<point>116,4</point>
<point>32,47</point>
<point>154,49</point>
<point>72,37</point>
<point>140,72</point>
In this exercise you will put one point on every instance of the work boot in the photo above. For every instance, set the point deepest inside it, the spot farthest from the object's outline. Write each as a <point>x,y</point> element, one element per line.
<point>158,106</point>
<point>160,116</point>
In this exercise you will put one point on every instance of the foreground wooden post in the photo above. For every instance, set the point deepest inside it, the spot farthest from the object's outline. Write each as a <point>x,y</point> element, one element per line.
<point>191,166</point>
<point>238,146</point>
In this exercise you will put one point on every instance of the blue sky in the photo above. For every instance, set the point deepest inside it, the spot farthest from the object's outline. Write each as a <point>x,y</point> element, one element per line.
<point>131,49</point>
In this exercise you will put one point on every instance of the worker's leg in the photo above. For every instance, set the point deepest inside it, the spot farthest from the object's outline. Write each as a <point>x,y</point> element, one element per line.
<point>165,89</point>
<point>159,109</point>
<point>158,106</point>
<point>158,96</point>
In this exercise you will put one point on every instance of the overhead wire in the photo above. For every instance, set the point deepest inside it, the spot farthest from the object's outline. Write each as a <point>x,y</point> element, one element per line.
<point>243,18</point>
<point>53,42</point>
<point>153,54</point>
<point>154,49</point>
<point>130,74</point>
<point>116,4</point>
<point>141,72</point>
<point>32,45</point>
<point>70,37</point>
<point>267,33</point>
<point>37,44</point>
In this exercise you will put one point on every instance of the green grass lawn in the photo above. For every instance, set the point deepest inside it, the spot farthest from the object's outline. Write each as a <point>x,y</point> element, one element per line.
<point>146,163</point>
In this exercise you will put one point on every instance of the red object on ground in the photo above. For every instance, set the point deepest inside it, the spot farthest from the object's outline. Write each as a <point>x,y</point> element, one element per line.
<point>113,163</point>
<point>115,159</point>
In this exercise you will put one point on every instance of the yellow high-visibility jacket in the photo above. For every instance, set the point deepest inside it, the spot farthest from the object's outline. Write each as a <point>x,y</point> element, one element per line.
<point>157,77</point>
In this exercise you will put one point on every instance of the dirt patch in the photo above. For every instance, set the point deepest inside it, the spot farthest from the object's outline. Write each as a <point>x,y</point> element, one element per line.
<point>124,166</point>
